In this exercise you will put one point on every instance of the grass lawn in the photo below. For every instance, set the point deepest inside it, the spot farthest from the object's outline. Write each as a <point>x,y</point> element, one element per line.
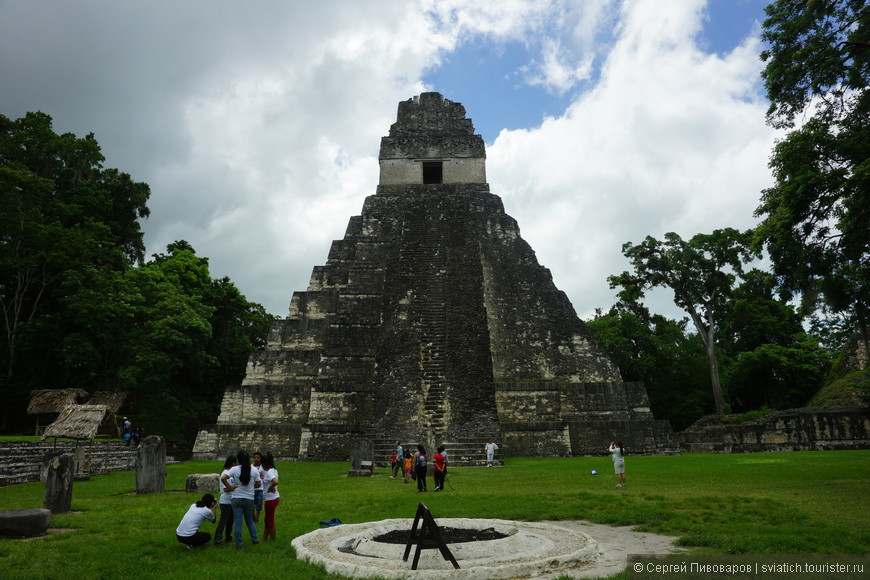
<point>800,502</point>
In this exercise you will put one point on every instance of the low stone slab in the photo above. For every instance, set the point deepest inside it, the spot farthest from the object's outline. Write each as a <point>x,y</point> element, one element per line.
<point>26,522</point>
<point>365,469</point>
<point>202,483</point>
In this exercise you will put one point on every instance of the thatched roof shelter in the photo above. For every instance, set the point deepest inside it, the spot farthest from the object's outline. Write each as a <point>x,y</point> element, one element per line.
<point>83,422</point>
<point>53,400</point>
<point>113,399</point>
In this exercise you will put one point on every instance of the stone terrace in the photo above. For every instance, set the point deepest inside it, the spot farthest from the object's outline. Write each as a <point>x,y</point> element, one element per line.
<point>22,462</point>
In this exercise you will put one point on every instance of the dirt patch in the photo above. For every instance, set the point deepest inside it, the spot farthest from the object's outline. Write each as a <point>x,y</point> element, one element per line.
<point>48,532</point>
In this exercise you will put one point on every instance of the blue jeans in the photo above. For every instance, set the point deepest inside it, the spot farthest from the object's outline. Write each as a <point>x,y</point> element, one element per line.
<point>244,509</point>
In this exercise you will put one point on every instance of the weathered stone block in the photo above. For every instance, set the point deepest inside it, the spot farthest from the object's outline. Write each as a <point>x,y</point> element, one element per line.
<point>202,483</point>
<point>25,522</point>
<point>59,484</point>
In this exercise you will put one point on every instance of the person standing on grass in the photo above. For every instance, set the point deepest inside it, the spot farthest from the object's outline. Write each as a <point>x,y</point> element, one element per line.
<point>258,493</point>
<point>439,468</point>
<point>490,448</point>
<point>618,455</point>
<point>421,465</point>
<point>225,523</point>
<point>271,498</point>
<point>407,466</point>
<point>245,481</point>
<point>187,531</point>
<point>400,457</point>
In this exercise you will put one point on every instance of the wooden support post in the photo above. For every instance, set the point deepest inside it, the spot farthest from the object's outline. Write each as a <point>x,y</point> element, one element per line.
<point>428,537</point>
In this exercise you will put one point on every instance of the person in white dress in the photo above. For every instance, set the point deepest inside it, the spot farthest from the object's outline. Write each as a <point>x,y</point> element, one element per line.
<point>618,454</point>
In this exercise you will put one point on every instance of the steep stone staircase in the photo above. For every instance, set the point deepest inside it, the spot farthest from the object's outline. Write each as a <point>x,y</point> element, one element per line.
<point>461,451</point>
<point>424,263</point>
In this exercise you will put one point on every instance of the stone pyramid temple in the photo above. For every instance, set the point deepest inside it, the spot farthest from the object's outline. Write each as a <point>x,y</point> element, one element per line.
<point>432,322</point>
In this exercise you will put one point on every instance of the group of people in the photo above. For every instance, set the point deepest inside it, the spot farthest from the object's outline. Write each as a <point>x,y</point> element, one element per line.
<point>247,485</point>
<point>129,434</point>
<point>250,483</point>
<point>416,466</point>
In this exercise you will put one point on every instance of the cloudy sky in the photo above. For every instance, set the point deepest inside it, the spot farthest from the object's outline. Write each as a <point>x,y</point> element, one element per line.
<point>257,125</point>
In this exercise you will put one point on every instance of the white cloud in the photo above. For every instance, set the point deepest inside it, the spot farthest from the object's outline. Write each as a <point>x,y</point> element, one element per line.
<point>258,128</point>
<point>670,139</point>
<point>554,72</point>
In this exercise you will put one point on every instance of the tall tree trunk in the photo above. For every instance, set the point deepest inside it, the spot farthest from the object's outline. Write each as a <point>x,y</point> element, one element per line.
<point>707,332</point>
<point>718,398</point>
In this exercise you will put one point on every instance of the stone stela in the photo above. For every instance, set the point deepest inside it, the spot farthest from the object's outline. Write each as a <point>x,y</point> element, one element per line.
<point>151,465</point>
<point>432,321</point>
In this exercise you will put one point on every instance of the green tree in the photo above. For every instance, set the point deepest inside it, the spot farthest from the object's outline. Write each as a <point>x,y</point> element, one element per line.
<point>778,377</point>
<point>163,331</point>
<point>816,223</point>
<point>659,352</point>
<point>754,316</point>
<point>238,327</point>
<point>82,309</point>
<point>169,343</point>
<point>701,273</point>
<point>60,212</point>
<point>771,361</point>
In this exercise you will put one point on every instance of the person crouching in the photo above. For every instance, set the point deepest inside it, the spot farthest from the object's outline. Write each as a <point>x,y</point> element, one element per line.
<point>187,531</point>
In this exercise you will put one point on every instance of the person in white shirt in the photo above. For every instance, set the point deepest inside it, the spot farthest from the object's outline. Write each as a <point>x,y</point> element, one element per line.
<point>225,522</point>
<point>270,495</point>
<point>257,457</point>
<point>490,448</point>
<point>245,481</point>
<point>618,455</point>
<point>187,531</point>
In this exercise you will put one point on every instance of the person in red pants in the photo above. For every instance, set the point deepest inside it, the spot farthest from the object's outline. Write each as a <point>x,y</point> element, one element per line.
<point>271,498</point>
<point>439,468</point>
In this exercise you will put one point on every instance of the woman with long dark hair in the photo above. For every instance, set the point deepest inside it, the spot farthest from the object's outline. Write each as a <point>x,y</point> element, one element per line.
<point>245,480</point>
<point>270,494</point>
<point>617,453</point>
<point>187,531</point>
<point>421,466</point>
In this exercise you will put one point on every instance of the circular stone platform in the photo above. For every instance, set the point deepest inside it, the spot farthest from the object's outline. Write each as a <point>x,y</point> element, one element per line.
<point>528,549</point>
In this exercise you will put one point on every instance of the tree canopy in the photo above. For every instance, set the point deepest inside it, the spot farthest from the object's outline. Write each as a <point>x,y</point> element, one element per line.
<point>816,217</point>
<point>701,273</point>
<point>82,308</point>
<point>660,353</point>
